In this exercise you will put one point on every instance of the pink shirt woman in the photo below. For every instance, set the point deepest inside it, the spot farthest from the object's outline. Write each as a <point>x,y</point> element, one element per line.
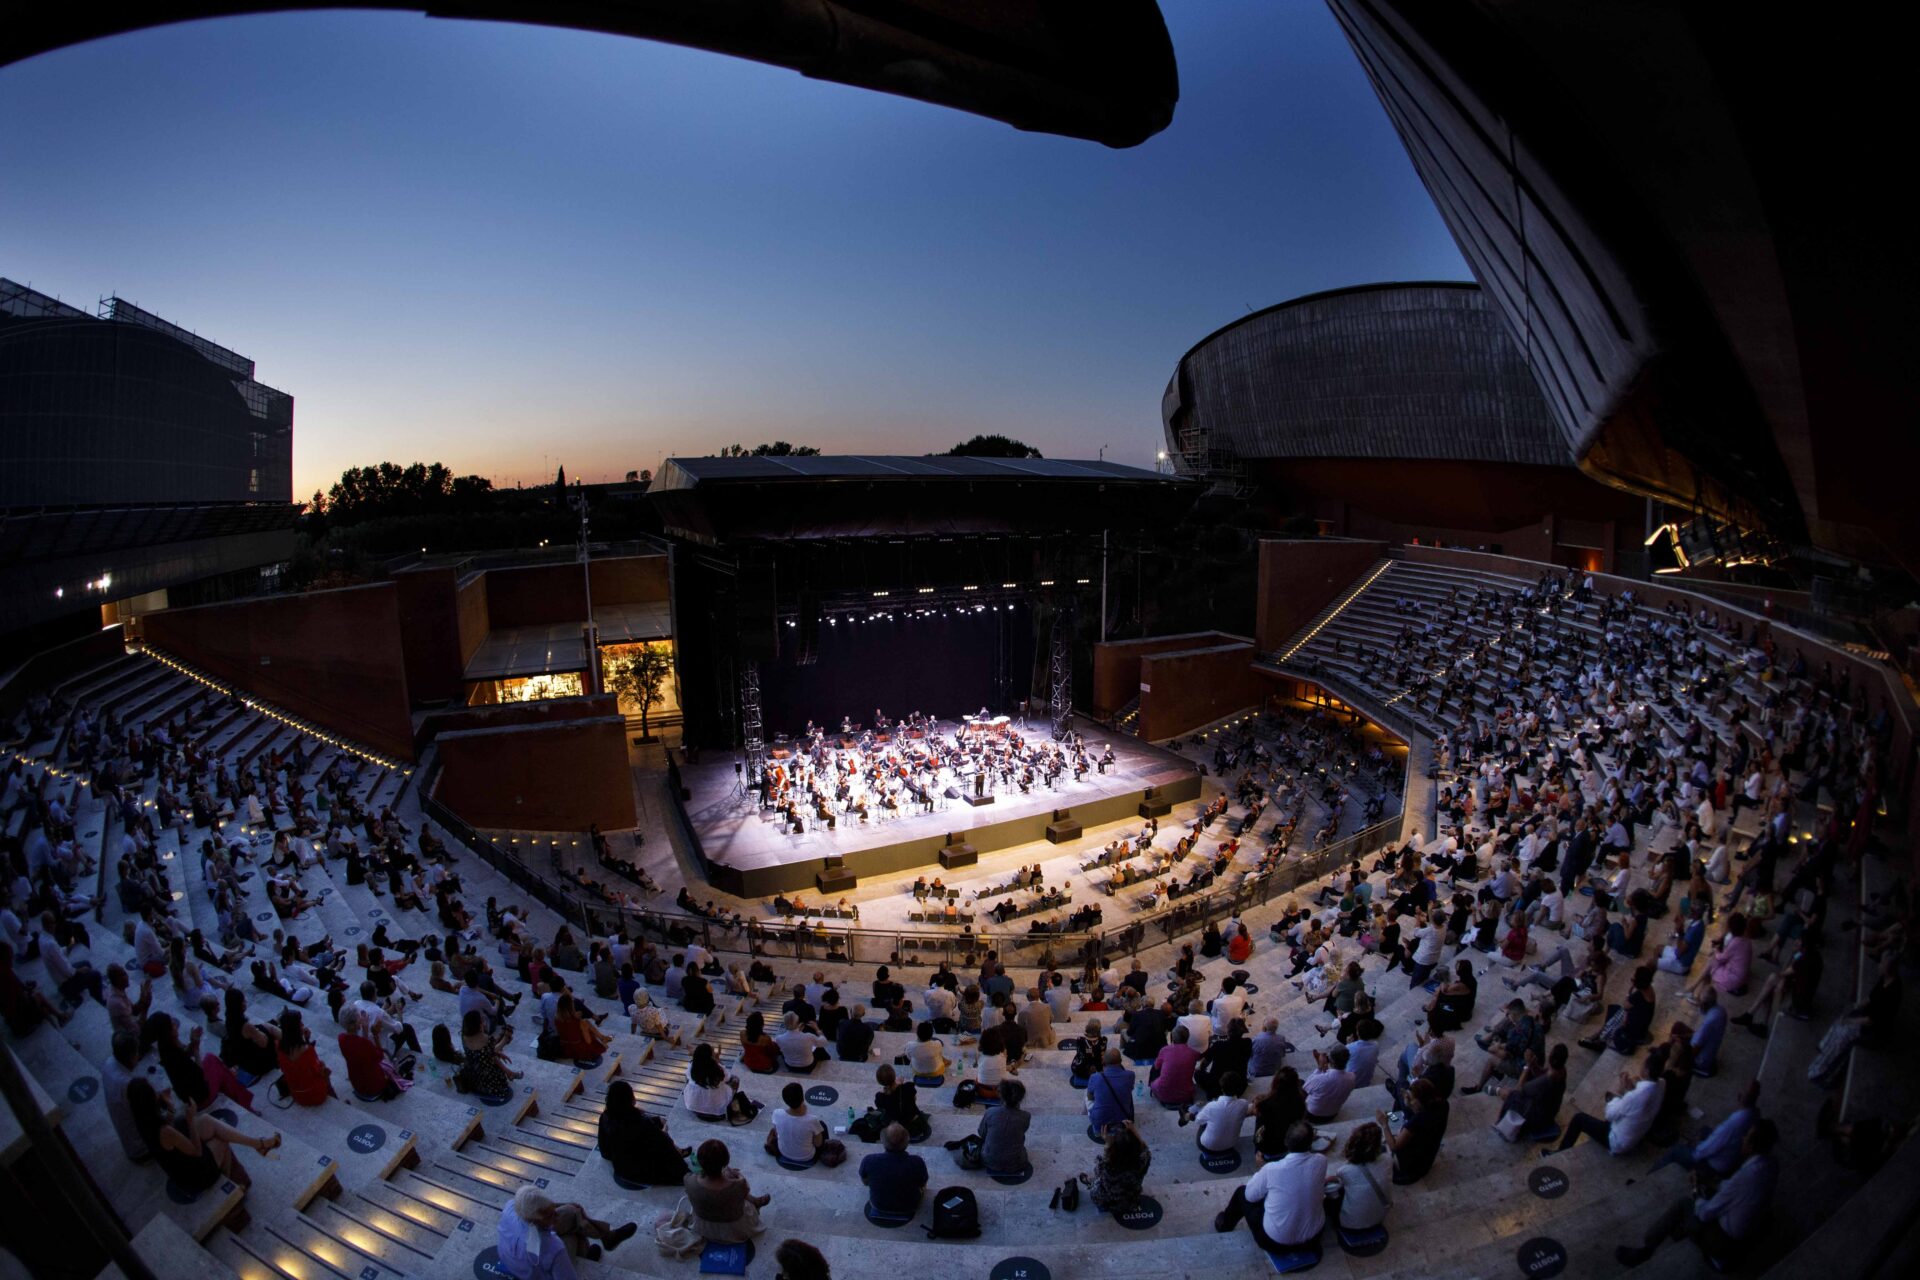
<point>1730,963</point>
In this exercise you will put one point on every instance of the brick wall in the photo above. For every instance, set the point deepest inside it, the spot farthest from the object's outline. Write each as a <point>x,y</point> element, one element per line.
<point>333,657</point>
<point>1299,579</point>
<point>430,633</point>
<point>1189,687</point>
<point>630,580</point>
<point>1116,664</point>
<point>559,776</point>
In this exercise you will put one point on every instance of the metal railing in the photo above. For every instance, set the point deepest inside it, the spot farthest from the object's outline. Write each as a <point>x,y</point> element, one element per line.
<point>563,901</point>
<point>804,939</point>
<point>807,940</point>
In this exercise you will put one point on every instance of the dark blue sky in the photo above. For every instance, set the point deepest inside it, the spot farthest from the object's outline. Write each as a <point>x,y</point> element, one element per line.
<point>507,247</point>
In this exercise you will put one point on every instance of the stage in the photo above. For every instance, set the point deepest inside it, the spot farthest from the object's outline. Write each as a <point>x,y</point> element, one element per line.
<point>746,850</point>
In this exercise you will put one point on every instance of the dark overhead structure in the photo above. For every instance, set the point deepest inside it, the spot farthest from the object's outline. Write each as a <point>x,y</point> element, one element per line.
<point>1104,72</point>
<point>1395,411</point>
<point>715,500</point>
<point>1686,223</point>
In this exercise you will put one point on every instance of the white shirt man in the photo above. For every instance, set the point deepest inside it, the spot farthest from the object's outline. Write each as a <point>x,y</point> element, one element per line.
<point>1327,1091</point>
<point>1427,943</point>
<point>796,1046</point>
<point>1630,1115</point>
<point>1220,1122</point>
<point>1292,1194</point>
<point>374,1020</point>
<point>940,1003</point>
<point>1225,1007</point>
<point>1199,1030</point>
<point>795,1134</point>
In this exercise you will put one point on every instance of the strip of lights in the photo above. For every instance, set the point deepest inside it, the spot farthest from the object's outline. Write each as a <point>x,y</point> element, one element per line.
<point>274,713</point>
<point>1339,609</point>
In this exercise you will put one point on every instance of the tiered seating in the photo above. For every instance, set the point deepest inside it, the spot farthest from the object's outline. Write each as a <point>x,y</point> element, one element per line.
<point>423,1195</point>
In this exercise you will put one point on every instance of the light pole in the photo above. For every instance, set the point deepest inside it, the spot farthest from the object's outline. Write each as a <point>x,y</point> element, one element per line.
<point>579,502</point>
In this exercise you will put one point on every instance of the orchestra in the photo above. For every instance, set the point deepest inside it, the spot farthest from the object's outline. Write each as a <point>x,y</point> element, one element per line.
<point>909,767</point>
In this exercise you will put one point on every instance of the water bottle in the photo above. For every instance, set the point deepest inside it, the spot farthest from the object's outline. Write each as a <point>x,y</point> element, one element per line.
<point>1139,1091</point>
<point>849,1117</point>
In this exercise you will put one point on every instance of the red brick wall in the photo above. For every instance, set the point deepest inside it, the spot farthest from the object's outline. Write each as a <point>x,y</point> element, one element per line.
<point>470,611</point>
<point>1116,664</point>
<point>535,596</point>
<point>548,593</point>
<point>1189,687</point>
<point>630,580</point>
<point>1299,579</point>
<point>333,657</point>
<point>429,633</point>
<point>561,776</point>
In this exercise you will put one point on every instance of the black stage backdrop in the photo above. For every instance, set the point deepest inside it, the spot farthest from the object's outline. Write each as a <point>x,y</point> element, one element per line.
<point>946,665</point>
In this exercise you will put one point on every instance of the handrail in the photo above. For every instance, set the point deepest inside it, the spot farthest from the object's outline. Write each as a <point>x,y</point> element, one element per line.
<point>842,943</point>
<point>568,906</point>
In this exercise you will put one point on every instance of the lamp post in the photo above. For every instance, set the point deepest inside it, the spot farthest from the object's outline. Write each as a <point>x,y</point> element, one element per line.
<point>579,501</point>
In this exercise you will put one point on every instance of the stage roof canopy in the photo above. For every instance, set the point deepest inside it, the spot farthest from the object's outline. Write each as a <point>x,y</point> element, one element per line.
<point>719,500</point>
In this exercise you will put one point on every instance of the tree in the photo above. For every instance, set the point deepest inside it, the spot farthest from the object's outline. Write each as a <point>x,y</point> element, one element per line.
<point>777,449</point>
<point>993,447</point>
<point>388,489</point>
<point>640,677</point>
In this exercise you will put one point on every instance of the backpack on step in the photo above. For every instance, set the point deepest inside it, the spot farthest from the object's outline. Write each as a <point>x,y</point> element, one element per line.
<point>956,1215</point>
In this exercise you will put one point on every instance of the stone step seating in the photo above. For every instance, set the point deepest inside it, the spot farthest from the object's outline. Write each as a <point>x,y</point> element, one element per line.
<point>1373,621</point>
<point>851,1242</point>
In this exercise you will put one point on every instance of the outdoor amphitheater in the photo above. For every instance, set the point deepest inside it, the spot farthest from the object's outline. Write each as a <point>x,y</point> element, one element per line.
<point>1448,812</point>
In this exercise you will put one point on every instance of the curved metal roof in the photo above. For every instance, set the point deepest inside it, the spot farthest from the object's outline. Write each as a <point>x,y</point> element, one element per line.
<point>1424,370</point>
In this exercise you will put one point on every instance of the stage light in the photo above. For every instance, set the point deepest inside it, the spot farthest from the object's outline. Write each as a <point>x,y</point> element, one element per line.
<point>1009,585</point>
<point>879,593</point>
<point>926,591</point>
<point>970,587</point>
<point>1083,581</point>
<point>1046,582</point>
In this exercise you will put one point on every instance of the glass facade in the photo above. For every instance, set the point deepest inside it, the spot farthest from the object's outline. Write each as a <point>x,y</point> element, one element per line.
<point>127,409</point>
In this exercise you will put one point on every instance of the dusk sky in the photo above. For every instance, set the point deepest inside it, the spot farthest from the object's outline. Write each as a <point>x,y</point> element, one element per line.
<point>508,247</point>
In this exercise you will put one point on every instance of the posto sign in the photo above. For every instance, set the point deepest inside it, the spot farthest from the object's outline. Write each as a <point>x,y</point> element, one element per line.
<point>1541,1258</point>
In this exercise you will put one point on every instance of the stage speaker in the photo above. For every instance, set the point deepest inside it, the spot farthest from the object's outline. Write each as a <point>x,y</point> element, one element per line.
<point>953,793</point>
<point>958,855</point>
<point>1152,807</point>
<point>836,880</point>
<point>1063,828</point>
<point>807,653</point>
<point>756,628</point>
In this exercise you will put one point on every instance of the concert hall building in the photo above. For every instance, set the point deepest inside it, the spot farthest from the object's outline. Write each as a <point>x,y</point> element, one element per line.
<point>1396,411</point>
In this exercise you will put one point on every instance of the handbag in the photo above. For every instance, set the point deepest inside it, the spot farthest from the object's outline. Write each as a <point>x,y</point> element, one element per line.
<point>833,1153</point>
<point>1510,1125</point>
